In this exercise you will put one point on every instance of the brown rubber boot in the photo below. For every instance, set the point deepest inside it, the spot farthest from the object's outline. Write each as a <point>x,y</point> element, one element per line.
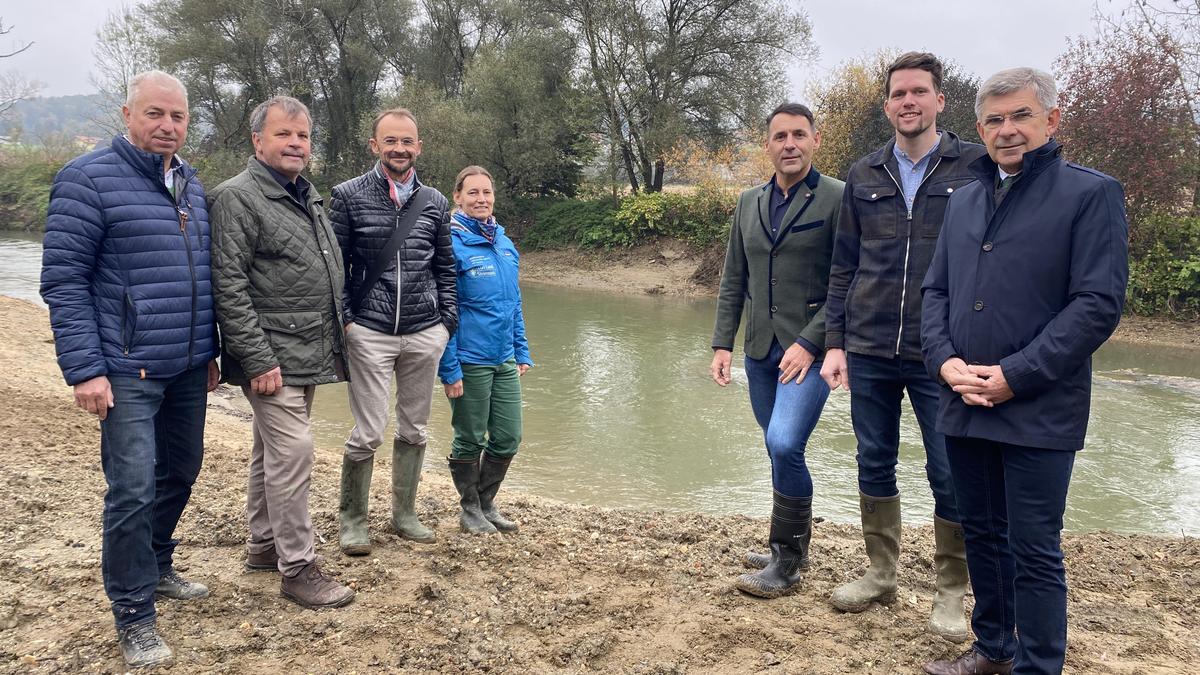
<point>881,534</point>
<point>314,589</point>
<point>354,537</point>
<point>950,561</point>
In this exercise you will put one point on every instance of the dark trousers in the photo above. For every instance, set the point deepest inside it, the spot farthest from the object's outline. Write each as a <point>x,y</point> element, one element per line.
<point>787,413</point>
<point>151,448</point>
<point>1012,499</point>
<point>877,387</point>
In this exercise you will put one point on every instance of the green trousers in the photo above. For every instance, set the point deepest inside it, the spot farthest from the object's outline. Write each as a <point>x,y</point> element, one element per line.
<point>488,414</point>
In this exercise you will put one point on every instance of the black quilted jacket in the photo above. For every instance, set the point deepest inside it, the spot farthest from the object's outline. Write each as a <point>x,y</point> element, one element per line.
<point>417,289</point>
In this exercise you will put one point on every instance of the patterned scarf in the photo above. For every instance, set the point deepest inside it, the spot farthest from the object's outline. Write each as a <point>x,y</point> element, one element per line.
<point>486,229</point>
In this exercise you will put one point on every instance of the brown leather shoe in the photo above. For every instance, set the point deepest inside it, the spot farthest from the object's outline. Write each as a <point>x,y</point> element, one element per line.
<point>267,561</point>
<point>314,589</point>
<point>970,662</point>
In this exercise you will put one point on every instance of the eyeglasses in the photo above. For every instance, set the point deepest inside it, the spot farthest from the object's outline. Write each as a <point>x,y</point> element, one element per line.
<point>408,143</point>
<point>1018,118</point>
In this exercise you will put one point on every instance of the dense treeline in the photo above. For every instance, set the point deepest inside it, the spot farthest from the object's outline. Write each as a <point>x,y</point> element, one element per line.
<point>587,109</point>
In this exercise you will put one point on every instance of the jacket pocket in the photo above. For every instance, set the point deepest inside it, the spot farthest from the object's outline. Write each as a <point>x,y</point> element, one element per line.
<point>937,196</point>
<point>298,340</point>
<point>877,210</point>
<point>749,318</point>
<point>129,320</point>
<point>801,227</point>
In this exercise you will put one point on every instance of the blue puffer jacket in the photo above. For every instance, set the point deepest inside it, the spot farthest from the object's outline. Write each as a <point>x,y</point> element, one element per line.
<point>125,271</point>
<point>491,327</point>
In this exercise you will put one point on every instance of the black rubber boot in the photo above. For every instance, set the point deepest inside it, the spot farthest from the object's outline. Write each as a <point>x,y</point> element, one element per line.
<point>791,532</point>
<point>491,473</point>
<point>465,473</point>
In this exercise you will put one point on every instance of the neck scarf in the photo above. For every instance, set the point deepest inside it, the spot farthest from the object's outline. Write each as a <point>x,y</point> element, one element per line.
<point>486,229</point>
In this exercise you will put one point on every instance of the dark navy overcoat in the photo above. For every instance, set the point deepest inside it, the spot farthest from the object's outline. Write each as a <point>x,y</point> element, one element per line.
<point>1036,286</point>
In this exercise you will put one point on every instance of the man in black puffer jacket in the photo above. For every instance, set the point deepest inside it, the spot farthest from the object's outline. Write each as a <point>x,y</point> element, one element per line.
<point>399,314</point>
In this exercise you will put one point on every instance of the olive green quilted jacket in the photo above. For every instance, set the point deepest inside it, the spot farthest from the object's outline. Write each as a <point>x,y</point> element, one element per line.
<point>277,282</point>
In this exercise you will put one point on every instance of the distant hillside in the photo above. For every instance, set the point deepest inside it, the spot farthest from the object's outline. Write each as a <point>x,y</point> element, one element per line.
<point>43,117</point>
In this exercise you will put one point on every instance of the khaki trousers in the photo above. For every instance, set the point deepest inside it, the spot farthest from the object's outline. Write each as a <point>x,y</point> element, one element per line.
<point>280,469</point>
<point>374,358</point>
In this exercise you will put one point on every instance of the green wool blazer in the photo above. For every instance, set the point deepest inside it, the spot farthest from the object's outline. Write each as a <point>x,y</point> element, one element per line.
<point>778,284</point>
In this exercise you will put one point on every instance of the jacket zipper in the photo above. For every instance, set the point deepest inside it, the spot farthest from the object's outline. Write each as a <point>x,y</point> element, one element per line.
<point>399,275</point>
<point>187,244</point>
<point>907,244</point>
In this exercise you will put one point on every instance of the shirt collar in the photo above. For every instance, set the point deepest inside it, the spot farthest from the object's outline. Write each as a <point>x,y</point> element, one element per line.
<point>903,156</point>
<point>810,180</point>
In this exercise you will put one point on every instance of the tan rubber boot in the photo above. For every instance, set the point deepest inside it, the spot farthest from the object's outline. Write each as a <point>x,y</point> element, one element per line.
<point>406,475</point>
<point>354,537</point>
<point>950,561</point>
<point>881,534</point>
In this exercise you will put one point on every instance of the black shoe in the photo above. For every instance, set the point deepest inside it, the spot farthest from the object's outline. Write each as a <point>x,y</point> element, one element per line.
<point>142,646</point>
<point>171,585</point>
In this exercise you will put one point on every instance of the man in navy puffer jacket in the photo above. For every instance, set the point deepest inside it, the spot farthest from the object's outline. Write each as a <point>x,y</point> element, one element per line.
<point>125,272</point>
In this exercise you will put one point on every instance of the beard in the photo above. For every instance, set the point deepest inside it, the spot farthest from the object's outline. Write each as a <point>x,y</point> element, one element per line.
<point>397,164</point>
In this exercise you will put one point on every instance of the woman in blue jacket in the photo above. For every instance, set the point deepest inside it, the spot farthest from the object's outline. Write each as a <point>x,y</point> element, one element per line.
<point>487,355</point>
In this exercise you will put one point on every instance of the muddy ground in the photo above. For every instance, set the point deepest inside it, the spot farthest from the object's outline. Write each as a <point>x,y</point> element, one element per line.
<point>579,589</point>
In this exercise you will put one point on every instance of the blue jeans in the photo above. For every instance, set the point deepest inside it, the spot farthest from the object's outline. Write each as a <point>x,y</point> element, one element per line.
<point>877,387</point>
<point>151,447</point>
<point>787,413</point>
<point>1012,500</point>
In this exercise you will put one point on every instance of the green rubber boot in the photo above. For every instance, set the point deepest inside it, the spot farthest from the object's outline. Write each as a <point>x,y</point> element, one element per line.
<point>465,473</point>
<point>491,473</point>
<point>881,534</point>
<point>950,560</point>
<point>355,539</point>
<point>406,475</point>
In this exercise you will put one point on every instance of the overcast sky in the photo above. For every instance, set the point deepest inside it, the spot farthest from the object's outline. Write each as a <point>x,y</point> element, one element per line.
<point>981,36</point>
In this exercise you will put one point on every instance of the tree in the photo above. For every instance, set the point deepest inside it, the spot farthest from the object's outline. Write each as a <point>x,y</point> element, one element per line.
<point>666,70</point>
<point>849,109</point>
<point>122,50</point>
<point>13,86</point>
<point>1125,112</point>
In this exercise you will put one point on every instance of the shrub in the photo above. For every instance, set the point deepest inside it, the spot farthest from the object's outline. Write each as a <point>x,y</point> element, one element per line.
<point>26,175</point>
<point>1164,278</point>
<point>557,223</point>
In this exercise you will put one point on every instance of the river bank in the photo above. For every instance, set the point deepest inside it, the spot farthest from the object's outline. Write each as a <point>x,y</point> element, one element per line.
<point>670,268</point>
<point>578,589</point>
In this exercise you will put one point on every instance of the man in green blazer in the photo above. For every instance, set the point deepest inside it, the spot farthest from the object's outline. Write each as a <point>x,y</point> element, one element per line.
<point>776,274</point>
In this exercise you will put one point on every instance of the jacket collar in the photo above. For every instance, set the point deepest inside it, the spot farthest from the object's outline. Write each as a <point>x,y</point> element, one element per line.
<point>811,179</point>
<point>473,238</point>
<point>271,188</point>
<point>380,177</point>
<point>147,163</point>
<point>950,146</point>
<point>1034,162</point>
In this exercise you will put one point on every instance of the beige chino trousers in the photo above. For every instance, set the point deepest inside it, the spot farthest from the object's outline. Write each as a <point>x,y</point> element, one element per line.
<point>375,358</point>
<point>281,464</point>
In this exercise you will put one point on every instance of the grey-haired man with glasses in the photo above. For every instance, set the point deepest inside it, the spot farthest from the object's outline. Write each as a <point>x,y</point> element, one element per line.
<point>1027,281</point>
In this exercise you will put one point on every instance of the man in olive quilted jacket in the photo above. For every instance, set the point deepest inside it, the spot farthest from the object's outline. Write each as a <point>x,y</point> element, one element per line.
<point>277,282</point>
<point>400,307</point>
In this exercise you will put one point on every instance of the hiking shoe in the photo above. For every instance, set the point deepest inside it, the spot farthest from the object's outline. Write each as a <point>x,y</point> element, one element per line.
<point>171,585</point>
<point>315,589</point>
<point>142,646</point>
<point>267,561</point>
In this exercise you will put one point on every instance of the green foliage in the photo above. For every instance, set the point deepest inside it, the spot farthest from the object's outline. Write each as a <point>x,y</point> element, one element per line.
<point>561,223</point>
<point>699,218</point>
<point>25,178</point>
<point>1164,277</point>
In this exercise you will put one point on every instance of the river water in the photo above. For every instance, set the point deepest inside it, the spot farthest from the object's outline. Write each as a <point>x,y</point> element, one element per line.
<point>620,412</point>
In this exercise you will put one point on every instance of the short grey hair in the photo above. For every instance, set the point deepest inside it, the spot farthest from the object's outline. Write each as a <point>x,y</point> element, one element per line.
<point>151,77</point>
<point>1018,79</point>
<point>290,107</point>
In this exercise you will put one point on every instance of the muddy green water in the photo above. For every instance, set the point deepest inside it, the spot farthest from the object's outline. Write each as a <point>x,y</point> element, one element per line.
<point>620,412</point>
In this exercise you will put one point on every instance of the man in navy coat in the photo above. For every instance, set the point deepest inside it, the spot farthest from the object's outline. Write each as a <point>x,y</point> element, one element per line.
<point>1027,281</point>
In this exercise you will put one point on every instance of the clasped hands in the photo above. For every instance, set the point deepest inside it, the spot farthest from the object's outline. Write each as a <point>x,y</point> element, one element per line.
<point>978,385</point>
